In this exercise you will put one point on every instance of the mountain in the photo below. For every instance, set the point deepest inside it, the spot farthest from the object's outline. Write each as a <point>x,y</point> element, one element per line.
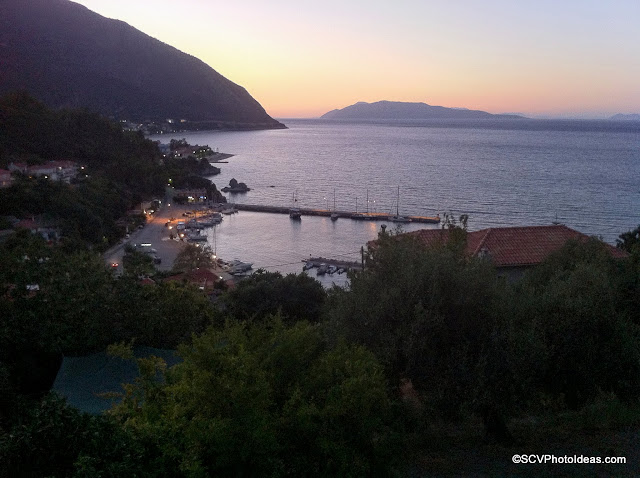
<point>385,110</point>
<point>68,56</point>
<point>623,117</point>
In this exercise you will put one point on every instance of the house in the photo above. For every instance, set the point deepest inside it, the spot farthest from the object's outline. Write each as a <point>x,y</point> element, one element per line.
<point>512,250</point>
<point>204,279</point>
<point>51,234</point>
<point>55,170</point>
<point>191,195</point>
<point>5,178</point>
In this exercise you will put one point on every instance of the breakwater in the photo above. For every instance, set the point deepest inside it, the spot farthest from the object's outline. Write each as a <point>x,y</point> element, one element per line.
<point>371,216</point>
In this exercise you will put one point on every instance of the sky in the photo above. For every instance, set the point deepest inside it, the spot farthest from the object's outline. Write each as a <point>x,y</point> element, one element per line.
<point>302,58</point>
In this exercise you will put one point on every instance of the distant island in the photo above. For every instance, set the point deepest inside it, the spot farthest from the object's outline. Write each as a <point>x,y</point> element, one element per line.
<point>623,117</point>
<point>397,110</point>
<point>67,56</point>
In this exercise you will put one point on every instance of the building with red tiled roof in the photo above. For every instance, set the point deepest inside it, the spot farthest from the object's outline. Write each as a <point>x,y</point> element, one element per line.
<point>512,249</point>
<point>204,279</point>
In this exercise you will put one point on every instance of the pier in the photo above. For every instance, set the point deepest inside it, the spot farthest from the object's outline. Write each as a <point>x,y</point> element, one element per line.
<point>361,216</point>
<point>347,265</point>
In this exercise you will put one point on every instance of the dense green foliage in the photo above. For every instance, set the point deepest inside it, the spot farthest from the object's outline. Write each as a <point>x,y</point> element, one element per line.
<point>298,381</point>
<point>55,302</point>
<point>192,257</point>
<point>430,316</point>
<point>48,438</point>
<point>581,302</point>
<point>266,400</point>
<point>294,296</point>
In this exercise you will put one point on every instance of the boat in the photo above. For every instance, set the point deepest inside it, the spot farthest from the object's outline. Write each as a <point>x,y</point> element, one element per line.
<point>334,214</point>
<point>322,270</point>
<point>294,212</point>
<point>331,270</point>
<point>308,265</point>
<point>210,222</point>
<point>357,215</point>
<point>398,217</point>
<point>238,267</point>
<point>229,210</point>
<point>196,237</point>
<point>194,224</point>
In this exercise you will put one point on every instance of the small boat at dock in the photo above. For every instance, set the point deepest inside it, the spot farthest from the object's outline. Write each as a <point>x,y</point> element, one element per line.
<point>237,267</point>
<point>194,237</point>
<point>398,218</point>
<point>334,214</point>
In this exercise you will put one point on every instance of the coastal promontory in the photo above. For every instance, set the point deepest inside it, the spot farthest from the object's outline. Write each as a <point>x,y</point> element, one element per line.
<point>67,56</point>
<point>397,110</point>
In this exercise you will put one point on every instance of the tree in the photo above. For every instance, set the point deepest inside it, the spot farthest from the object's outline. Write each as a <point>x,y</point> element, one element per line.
<point>266,400</point>
<point>432,316</point>
<point>192,257</point>
<point>49,438</point>
<point>136,263</point>
<point>294,296</point>
<point>630,241</point>
<point>582,302</point>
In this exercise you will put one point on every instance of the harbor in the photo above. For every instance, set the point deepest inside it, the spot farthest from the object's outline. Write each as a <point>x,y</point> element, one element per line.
<point>361,216</point>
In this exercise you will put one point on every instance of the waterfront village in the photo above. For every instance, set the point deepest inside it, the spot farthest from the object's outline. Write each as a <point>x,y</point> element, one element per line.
<point>146,229</point>
<point>434,334</point>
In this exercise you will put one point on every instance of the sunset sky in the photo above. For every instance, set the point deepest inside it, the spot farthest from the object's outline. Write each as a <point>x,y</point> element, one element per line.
<point>302,58</point>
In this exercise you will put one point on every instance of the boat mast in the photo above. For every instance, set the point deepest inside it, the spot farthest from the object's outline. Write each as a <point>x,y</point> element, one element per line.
<point>398,203</point>
<point>367,201</point>
<point>334,199</point>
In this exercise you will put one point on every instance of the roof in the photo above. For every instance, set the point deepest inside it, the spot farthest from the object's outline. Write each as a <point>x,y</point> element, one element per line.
<point>200,277</point>
<point>27,224</point>
<point>512,246</point>
<point>83,380</point>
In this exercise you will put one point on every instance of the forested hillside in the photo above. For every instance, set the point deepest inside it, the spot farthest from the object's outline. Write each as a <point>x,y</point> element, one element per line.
<point>118,169</point>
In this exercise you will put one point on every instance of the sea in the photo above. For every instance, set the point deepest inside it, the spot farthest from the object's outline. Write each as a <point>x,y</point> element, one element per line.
<point>582,173</point>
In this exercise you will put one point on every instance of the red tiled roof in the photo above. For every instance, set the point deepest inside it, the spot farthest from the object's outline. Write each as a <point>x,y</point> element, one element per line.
<point>201,277</point>
<point>512,246</point>
<point>27,224</point>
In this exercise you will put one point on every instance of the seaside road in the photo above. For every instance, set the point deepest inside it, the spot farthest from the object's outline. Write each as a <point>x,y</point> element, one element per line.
<point>154,233</point>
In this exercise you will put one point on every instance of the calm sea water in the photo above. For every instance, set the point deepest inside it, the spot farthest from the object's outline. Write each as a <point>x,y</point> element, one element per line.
<point>584,173</point>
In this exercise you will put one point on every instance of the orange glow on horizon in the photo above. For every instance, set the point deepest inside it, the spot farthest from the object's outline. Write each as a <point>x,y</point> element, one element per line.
<point>302,60</point>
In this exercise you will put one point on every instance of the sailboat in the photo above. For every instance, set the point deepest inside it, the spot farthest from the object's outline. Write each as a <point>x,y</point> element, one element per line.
<point>398,217</point>
<point>334,214</point>
<point>357,216</point>
<point>294,212</point>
